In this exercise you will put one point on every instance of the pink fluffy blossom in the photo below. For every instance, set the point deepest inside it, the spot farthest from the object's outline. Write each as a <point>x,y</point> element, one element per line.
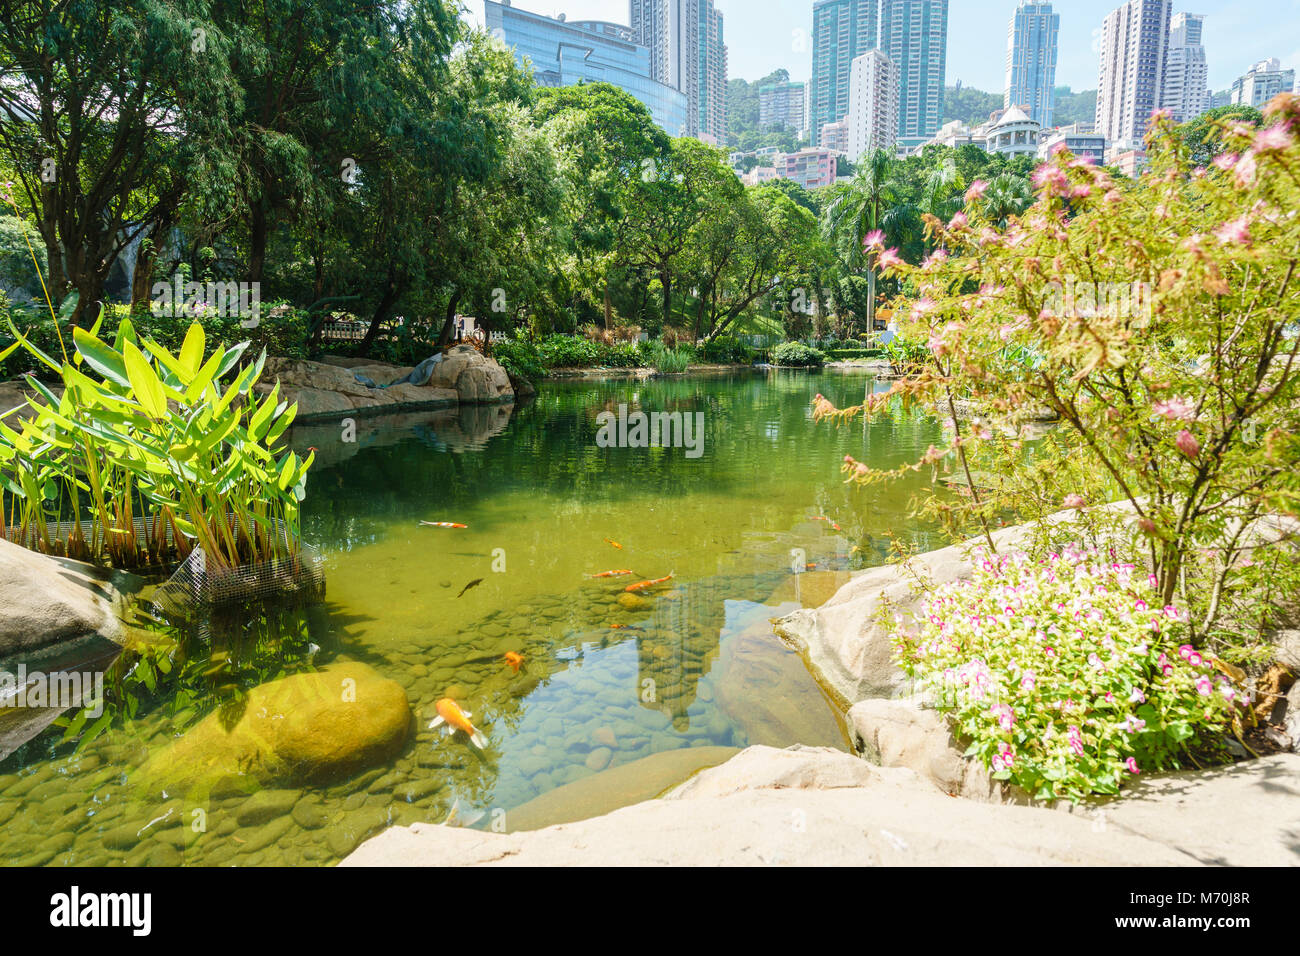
<point>1175,409</point>
<point>1235,233</point>
<point>1188,444</point>
<point>976,190</point>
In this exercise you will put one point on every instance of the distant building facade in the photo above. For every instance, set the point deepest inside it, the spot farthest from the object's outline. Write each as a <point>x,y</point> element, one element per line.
<point>1186,90</point>
<point>1014,133</point>
<point>842,31</point>
<point>563,53</point>
<point>1081,139</point>
<point>1134,41</point>
<point>1031,60</point>
<point>810,168</point>
<point>873,105</point>
<point>914,34</point>
<point>687,53</point>
<point>835,137</point>
<point>784,106</point>
<point>1261,83</point>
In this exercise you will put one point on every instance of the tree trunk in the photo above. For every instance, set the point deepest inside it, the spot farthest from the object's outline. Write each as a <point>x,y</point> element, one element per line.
<point>609,303</point>
<point>382,311</point>
<point>666,278</point>
<point>141,276</point>
<point>257,230</point>
<point>449,321</point>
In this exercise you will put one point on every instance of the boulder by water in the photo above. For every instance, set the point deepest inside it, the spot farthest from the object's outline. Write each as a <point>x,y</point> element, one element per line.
<point>46,600</point>
<point>308,729</point>
<point>811,806</point>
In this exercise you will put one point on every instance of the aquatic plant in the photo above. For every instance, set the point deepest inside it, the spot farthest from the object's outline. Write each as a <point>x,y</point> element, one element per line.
<point>1067,675</point>
<point>667,361</point>
<point>157,455</point>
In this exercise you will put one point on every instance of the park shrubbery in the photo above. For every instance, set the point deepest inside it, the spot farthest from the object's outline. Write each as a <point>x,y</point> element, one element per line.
<point>797,355</point>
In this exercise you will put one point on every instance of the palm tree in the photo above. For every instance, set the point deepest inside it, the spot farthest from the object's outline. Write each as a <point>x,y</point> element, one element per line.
<point>871,203</point>
<point>1007,195</point>
<point>941,195</point>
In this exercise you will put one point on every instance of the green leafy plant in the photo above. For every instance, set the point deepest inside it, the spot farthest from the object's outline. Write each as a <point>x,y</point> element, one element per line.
<point>159,437</point>
<point>797,355</point>
<point>1067,675</point>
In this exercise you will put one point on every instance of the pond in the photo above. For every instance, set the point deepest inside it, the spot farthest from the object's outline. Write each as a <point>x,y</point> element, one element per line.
<point>615,688</point>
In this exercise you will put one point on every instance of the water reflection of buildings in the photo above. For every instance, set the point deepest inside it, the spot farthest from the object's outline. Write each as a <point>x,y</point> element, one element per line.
<point>678,647</point>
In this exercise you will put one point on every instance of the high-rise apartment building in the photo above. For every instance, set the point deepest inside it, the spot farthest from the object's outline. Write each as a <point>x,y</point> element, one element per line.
<point>688,53</point>
<point>782,106</point>
<point>1261,83</point>
<point>914,34</point>
<point>563,53</point>
<point>1134,43</point>
<point>1031,61</point>
<point>842,31</point>
<point>1185,91</point>
<point>873,104</point>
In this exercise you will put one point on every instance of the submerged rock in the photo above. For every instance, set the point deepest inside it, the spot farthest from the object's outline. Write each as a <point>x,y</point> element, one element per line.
<point>304,730</point>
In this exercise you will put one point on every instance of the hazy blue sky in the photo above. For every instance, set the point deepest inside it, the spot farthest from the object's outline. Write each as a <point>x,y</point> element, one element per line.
<point>763,35</point>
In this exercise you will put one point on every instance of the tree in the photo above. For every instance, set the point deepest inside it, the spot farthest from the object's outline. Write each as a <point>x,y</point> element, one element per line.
<point>871,204</point>
<point>1206,136</point>
<point>111,109</point>
<point>1006,196</point>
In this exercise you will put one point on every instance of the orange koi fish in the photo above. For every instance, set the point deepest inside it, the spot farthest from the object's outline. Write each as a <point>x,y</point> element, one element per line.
<point>614,544</point>
<point>514,660</point>
<point>828,521</point>
<point>452,718</point>
<point>610,574</point>
<point>442,524</point>
<point>625,627</point>
<point>643,585</point>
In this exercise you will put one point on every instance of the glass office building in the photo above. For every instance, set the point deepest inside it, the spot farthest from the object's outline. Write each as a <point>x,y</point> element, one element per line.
<point>564,53</point>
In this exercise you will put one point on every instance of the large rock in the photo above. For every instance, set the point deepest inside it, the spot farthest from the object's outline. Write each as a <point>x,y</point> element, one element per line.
<point>900,733</point>
<point>307,729</point>
<point>44,600</point>
<point>478,380</point>
<point>1288,650</point>
<point>821,807</point>
<point>1291,719</point>
<point>327,391</point>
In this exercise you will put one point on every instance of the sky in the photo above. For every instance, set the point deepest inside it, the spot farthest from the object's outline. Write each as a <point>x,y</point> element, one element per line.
<point>764,35</point>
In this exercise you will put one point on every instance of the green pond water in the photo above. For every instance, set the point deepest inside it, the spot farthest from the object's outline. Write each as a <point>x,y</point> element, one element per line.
<point>608,680</point>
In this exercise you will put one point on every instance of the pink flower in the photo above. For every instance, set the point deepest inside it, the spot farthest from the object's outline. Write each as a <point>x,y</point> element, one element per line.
<point>959,221</point>
<point>977,189</point>
<point>1134,724</point>
<point>1004,715</point>
<point>1187,443</point>
<point>1185,652</point>
<point>1074,501</point>
<point>938,257</point>
<point>1161,115</point>
<point>1029,681</point>
<point>922,306</point>
<point>1204,686</point>
<point>1247,171</point>
<point>874,240</point>
<point>1051,180</point>
<point>1235,233</point>
<point>1075,739</point>
<point>890,259</point>
<point>1137,697</point>
<point>1275,139</point>
<point>1225,161</point>
<point>1003,760</point>
<point>1175,409</point>
<point>1132,765</point>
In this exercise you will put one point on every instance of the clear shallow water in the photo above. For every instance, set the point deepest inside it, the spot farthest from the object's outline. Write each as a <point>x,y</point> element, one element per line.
<point>607,681</point>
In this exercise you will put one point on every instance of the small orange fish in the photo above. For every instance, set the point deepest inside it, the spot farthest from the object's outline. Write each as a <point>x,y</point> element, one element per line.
<point>624,627</point>
<point>452,718</point>
<point>514,660</point>
<point>642,585</point>
<point>442,524</point>
<point>828,521</point>
<point>610,574</point>
<point>614,544</point>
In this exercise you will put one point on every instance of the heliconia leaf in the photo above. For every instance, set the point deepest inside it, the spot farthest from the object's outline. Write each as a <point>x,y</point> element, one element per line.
<point>192,350</point>
<point>146,385</point>
<point>104,360</point>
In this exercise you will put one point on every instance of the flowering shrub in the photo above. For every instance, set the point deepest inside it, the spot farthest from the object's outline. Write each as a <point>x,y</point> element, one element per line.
<point>1067,675</point>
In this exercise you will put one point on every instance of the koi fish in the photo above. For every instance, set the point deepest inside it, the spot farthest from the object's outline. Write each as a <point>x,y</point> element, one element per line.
<point>442,524</point>
<point>457,818</point>
<point>452,718</point>
<point>643,585</point>
<point>473,584</point>
<point>514,660</point>
<point>610,574</point>
<point>625,627</point>
<point>828,521</point>
<point>614,544</point>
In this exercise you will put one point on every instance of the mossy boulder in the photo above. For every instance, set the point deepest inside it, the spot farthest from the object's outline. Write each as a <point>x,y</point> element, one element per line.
<point>309,729</point>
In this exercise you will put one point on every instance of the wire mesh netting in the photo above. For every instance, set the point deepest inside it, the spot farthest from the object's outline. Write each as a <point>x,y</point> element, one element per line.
<point>196,585</point>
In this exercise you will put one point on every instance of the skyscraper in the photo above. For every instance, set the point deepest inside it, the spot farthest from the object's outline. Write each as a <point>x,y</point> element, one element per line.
<point>1185,91</point>
<point>842,31</point>
<point>873,104</point>
<point>1261,83</point>
<point>1031,60</point>
<point>687,52</point>
<point>914,33</point>
<point>1134,44</point>
<point>782,106</point>
<point>565,52</point>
